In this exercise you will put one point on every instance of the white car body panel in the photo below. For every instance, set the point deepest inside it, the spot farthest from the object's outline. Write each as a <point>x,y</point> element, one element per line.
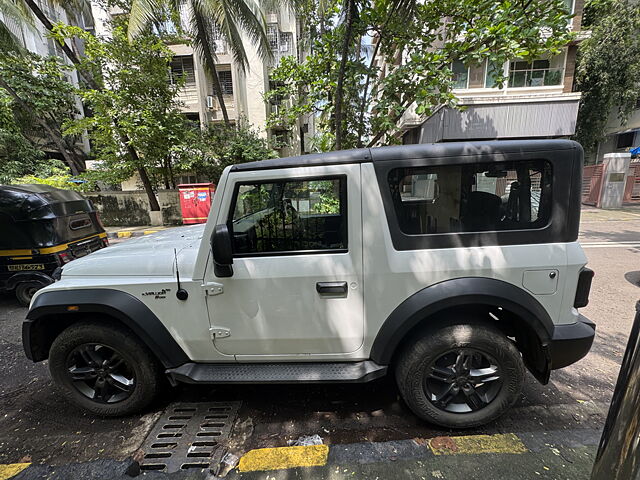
<point>270,304</point>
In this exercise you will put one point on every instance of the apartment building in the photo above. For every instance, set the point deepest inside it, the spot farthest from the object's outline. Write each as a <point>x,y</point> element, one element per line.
<point>537,100</point>
<point>243,91</point>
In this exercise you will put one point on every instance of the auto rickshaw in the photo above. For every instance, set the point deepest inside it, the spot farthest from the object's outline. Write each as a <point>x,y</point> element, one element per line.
<point>43,228</point>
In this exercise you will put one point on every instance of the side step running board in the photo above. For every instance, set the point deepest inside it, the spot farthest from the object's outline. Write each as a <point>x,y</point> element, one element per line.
<point>352,372</point>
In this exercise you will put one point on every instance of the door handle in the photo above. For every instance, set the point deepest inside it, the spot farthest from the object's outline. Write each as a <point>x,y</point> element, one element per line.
<point>324,288</point>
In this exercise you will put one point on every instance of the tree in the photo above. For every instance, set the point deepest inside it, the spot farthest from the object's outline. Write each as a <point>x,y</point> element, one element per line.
<point>208,152</point>
<point>608,66</point>
<point>209,20</point>
<point>35,93</point>
<point>357,103</point>
<point>136,121</point>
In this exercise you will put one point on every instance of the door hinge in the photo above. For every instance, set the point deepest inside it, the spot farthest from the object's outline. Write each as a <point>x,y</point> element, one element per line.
<point>213,288</point>
<point>219,332</point>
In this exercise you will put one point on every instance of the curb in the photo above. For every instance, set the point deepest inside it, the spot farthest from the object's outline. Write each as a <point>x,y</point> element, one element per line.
<point>130,234</point>
<point>345,457</point>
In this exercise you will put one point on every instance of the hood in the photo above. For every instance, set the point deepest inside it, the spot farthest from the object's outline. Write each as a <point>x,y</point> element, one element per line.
<point>149,255</point>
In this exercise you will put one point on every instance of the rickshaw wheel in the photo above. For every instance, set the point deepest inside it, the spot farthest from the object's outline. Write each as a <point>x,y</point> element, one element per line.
<point>26,290</point>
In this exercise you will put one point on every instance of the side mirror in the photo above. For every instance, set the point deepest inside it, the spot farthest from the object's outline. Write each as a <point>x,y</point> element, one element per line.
<point>222,249</point>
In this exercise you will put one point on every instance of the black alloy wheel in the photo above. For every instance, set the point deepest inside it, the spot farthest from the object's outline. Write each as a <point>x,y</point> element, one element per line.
<point>463,380</point>
<point>100,373</point>
<point>460,375</point>
<point>104,368</point>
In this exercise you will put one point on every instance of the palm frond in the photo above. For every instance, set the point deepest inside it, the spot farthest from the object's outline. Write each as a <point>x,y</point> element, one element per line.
<point>142,13</point>
<point>230,18</point>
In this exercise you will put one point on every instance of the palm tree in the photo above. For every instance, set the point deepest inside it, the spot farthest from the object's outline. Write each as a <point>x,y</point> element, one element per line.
<point>209,20</point>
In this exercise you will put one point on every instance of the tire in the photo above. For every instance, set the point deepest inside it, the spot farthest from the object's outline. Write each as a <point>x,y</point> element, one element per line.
<point>126,384</point>
<point>25,291</point>
<point>461,395</point>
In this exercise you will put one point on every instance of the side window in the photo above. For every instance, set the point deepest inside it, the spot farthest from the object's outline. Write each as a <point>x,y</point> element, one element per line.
<point>472,198</point>
<point>290,216</point>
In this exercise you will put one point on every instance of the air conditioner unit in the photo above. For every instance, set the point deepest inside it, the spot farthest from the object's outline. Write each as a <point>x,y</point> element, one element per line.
<point>211,102</point>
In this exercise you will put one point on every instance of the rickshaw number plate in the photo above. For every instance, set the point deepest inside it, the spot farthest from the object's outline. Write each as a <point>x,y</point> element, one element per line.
<point>29,266</point>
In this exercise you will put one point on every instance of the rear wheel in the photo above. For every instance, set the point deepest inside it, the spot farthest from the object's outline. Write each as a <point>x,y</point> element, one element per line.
<point>26,290</point>
<point>461,375</point>
<point>104,369</point>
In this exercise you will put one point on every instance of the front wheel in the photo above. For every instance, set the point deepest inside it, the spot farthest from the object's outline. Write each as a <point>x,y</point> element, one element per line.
<point>104,369</point>
<point>460,376</point>
<point>26,290</point>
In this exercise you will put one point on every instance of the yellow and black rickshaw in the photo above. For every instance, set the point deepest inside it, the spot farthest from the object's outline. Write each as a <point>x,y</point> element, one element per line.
<point>41,229</point>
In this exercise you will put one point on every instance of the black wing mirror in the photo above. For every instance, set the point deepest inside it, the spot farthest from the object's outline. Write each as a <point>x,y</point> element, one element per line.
<point>222,249</point>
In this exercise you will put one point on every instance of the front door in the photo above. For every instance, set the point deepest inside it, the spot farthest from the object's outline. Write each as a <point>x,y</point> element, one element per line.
<point>296,290</point>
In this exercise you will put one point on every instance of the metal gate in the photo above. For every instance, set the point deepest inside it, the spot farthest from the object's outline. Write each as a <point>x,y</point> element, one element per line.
<point>592,179</point>
<point>632,187</point>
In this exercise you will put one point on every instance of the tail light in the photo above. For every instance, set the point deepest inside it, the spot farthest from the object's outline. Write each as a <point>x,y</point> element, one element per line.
<point>105,242</point>
<point>584,286</point>
<point>64,257</point>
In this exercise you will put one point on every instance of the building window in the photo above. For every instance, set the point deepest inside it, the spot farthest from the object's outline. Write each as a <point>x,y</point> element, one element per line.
<point>193,117</point>
<point>493,72</point>
<point>289,216</point>
<point>272,36</point>
<point>625,140</point>
<point>472,198</point>
<point>460,74</point>
<point>539,73</point>
<point>182,66</point>
<point>226,81</point>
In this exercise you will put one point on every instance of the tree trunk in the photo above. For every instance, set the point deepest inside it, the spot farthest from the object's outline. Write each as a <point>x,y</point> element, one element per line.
<point>153,201</point>
<point>346,46</point>
<point>33,6</point>
<point>210,62</point>
<point>49,132</point>
<point>365,93</point>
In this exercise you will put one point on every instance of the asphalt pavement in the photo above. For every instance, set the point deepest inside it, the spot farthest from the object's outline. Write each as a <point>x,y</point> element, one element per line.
<point>366,430</point>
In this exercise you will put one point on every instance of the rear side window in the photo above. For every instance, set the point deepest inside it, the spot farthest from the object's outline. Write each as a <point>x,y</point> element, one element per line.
<point>472,198</point>
<point>290,216</point>
<point>79,222</point>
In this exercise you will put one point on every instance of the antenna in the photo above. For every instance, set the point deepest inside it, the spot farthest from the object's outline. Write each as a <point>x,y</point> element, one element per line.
<point>181,293</point>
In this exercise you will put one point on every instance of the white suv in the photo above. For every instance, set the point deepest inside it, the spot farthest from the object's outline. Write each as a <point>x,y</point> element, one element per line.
<point>452,266</point>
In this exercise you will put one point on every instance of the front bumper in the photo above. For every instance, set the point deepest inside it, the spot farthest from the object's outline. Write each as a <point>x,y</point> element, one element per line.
<point>571,342</point>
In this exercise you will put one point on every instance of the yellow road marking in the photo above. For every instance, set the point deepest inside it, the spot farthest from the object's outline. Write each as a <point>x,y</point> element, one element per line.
<point>149,232</point>
<point>471,444</point>
<point>284,457</point>
<point>8,471</point>
<point>124,234</point>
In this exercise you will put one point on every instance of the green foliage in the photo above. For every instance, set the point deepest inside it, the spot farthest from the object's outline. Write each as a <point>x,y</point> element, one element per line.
<point>33,90</point>
<point>137,111</point>
<point>418,42</point>
<point>208,152</point>
<point>55,174</point>
<point>608,66</point>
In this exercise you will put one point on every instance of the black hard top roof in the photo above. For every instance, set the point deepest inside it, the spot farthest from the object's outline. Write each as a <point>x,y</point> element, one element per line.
<point>403,152</point>
<point>34,202</point>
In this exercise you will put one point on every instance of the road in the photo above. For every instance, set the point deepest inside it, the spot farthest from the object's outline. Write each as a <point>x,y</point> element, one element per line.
<point>37,425</point>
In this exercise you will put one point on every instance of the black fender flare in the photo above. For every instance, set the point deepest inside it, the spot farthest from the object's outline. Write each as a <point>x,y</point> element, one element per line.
<point>130,311</point>
<point>22,277</point>
<point>456,293</point>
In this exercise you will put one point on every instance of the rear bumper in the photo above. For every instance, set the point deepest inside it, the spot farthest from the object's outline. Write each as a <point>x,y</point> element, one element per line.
<point>571,342</point>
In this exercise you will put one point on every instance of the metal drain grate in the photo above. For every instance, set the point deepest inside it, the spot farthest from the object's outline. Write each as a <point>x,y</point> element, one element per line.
<point>187,436</point>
